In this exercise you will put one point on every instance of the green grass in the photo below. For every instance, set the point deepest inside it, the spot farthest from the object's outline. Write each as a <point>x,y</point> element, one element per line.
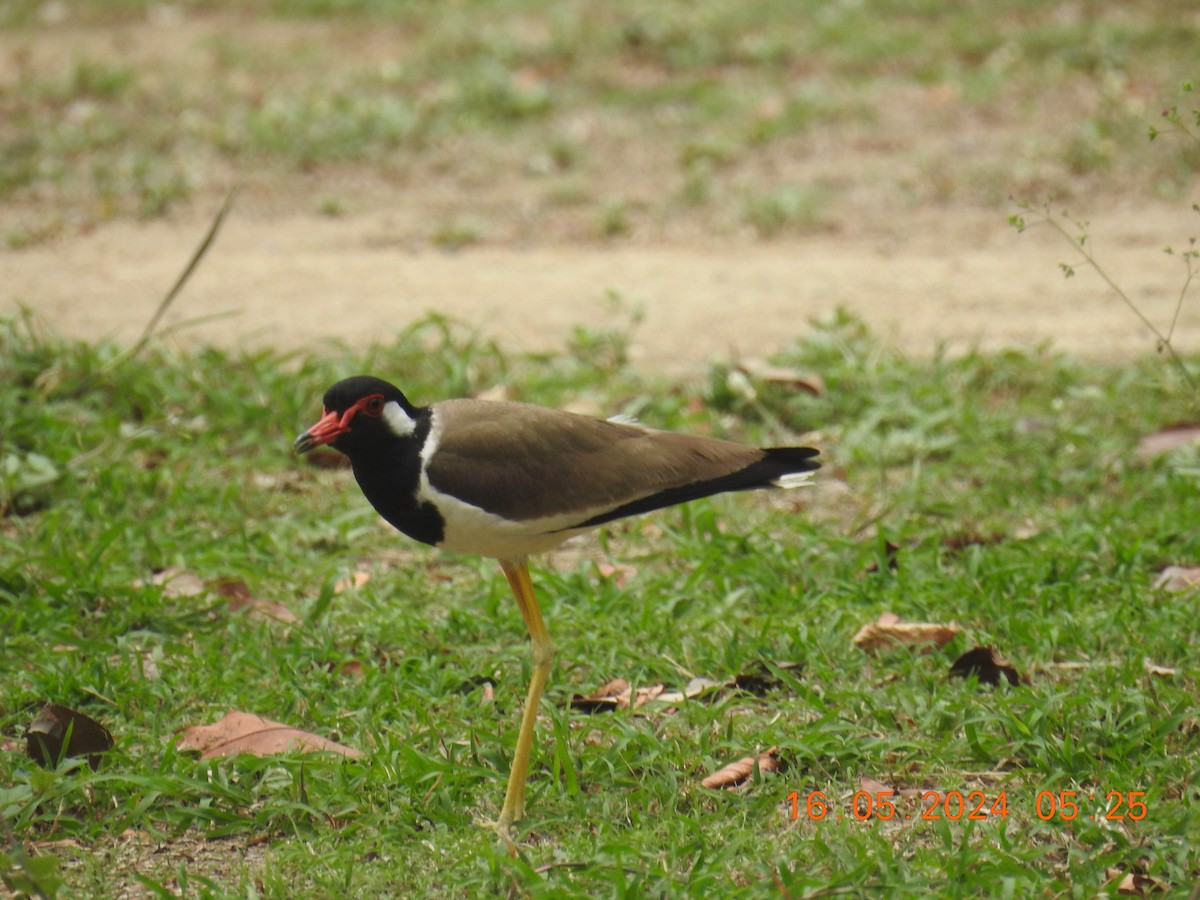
<point>182,459</point>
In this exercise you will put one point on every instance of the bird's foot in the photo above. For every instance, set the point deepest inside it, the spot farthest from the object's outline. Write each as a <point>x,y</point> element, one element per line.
<point>504,834</point>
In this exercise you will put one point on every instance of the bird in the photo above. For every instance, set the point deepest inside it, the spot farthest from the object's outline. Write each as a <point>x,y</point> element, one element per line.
<point>508,480</point>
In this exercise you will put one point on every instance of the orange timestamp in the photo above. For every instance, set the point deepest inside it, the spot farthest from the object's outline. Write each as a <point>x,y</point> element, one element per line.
<point>974,806</point>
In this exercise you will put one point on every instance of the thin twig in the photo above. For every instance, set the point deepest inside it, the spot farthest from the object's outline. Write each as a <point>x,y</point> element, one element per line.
<point>198,255</point>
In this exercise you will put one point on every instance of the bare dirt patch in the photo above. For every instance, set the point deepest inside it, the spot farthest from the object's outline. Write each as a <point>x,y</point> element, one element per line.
<point>952,277</point>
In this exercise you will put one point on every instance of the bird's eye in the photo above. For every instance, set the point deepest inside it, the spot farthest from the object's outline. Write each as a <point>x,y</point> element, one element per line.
<point>374,406</point>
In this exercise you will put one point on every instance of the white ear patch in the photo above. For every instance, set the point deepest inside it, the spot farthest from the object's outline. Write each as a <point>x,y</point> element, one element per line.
<point>400,422</point>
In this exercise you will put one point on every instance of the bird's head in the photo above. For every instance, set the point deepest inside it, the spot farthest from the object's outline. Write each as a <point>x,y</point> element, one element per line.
<point>359,411</point>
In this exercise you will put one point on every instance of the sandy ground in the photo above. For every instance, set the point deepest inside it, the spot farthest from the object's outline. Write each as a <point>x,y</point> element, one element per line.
<point>957,279</point>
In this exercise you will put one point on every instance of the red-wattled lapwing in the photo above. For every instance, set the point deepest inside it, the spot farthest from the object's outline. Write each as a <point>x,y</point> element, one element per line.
<point>508,479</point>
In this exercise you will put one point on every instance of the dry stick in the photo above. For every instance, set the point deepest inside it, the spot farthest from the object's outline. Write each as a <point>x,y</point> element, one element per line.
<point>198,255</point>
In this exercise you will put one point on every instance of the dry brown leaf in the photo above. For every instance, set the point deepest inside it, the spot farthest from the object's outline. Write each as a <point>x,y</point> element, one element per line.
<point>353,581</point>
<point>890,631</point>
<point>1170,438</point>
<point>232,589</point>
<point>605,698</point>
<point>1178,578</point>
<point>617,694</point>
<point>644,695</point>
<point>351,667</point>
<point>1134,884</point>
<point>693,689</point>
<point>57,732</point>
<point>267,608</point>
<point>239,597</point>
<point>241,732</point>
<point>871,786</point>
<point>740,772</point>
<point>874,789</point>
<point>985,664</point>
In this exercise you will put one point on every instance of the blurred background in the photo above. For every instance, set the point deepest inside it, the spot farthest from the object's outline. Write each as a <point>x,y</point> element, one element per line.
<point>711,174</point>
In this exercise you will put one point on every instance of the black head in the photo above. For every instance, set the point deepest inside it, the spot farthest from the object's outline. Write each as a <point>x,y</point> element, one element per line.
<point>359,412</point>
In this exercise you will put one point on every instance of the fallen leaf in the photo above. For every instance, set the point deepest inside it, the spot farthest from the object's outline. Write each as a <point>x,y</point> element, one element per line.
<point>488,694</point>
<point>1164,441</point>
<point>604,698</point>
<point>871,786</point>
<point>57,732</point>
<point>617,694</point>
<point>239,597</point>
<point>890,631</point>
<point>175,581</point>
<point>232,589</point>
<point>351,667</point>
<point>645,694</point>
<point>741,771</point>
<point>241,732</point>
<point>1160,671</point>
<point>693,689</point>
<point>874,789</point>
<point>1178,578</point>
<point>1134,884</point>
<point>985,664</point>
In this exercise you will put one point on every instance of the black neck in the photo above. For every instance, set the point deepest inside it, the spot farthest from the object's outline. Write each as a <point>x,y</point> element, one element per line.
<point>388,469</point>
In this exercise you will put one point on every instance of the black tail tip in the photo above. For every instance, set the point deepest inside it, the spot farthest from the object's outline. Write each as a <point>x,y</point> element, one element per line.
<point>794,459</point>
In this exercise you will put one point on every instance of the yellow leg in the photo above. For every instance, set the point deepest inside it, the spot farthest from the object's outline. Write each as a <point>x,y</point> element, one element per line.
<point>517,573</point>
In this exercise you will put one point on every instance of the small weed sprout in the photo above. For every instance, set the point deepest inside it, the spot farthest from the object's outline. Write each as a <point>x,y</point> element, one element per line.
<point>1077,232</point>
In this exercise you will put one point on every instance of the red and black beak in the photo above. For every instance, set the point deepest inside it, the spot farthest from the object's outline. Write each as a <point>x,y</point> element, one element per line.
<point>330,427</point>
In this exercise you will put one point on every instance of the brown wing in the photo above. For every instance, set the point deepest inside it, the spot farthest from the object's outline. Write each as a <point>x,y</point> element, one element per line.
<point>526,462</point>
